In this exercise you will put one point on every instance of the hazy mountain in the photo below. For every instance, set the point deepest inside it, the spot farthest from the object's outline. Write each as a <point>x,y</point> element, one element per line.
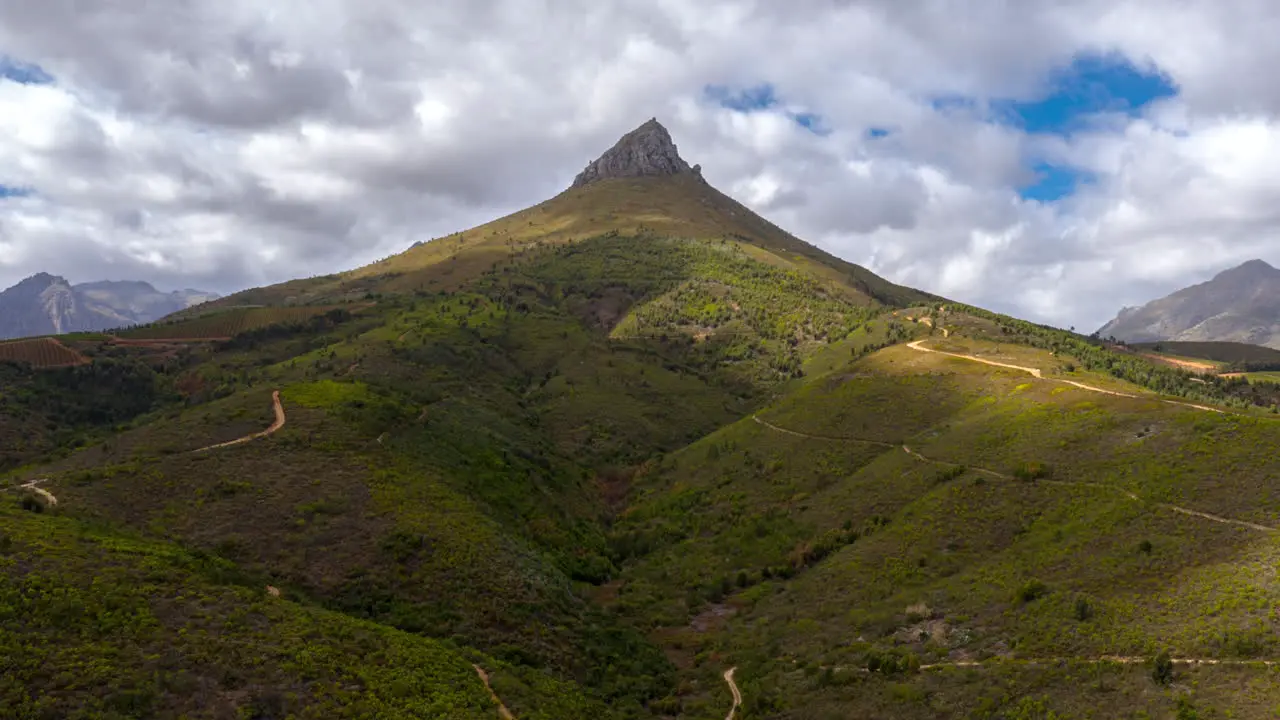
<point>45,304</point>
<point>1241,304</point>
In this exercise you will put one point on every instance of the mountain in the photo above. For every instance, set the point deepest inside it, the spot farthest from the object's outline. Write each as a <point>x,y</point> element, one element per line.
<point>639,187</point>
<point>1241,305</point>
<point>45,304</point>
<point>631,454</point>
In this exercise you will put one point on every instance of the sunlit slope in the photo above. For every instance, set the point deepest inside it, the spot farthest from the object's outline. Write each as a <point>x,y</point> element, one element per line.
<point>677,207</point>
<point>936,510</point>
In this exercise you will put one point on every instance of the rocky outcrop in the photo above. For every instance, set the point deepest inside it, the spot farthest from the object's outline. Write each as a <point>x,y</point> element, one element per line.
<point>1239,305</point>
<point>647,151</point>
<point>45,304</point>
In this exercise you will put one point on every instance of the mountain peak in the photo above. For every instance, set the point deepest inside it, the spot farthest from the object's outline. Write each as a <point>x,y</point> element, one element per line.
<point>1236,305</point>
<point>647,151</point>
<point>41,279</point>
<point>1251,269</point>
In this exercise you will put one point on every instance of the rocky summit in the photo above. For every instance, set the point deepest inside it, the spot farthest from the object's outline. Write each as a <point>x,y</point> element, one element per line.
<point>644,152</point>
<point>1238,305</point>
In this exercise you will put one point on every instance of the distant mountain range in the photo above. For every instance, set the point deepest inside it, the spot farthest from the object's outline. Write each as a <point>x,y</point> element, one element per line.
<point>1241,305</point>
<point>45,304</point>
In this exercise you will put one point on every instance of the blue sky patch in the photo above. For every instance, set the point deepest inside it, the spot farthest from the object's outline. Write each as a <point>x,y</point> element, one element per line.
<point>878,132</point>
<point>25,73</point>
<point>1090,85</point>
<point>947,103</point>
<point>762,97</point>
<point>1054,182</point>
<point>7,191</point>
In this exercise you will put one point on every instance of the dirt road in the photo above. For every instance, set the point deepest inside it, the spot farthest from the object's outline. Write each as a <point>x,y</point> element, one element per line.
<point>1062,483</point>
<point>1035,372</point>
<point>279,423</point>
<point>1117,659</point>
<point>1201,367</point>
<point>785,431</point>
<point>733,688</point>
<point>34,486</point>
<point>503,712</point>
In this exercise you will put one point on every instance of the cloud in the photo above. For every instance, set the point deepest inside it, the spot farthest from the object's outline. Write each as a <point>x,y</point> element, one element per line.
<point>1054,160</point>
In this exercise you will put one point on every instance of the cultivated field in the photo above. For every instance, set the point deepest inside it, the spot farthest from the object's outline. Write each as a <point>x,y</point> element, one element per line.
<point>41,353</point>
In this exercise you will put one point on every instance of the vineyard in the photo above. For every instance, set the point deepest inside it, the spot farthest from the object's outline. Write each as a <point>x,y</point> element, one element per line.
<point>226,324</point>
<point>40,353</point>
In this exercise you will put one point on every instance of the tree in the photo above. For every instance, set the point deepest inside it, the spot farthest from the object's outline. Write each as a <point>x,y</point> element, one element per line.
<point>1162,668</point>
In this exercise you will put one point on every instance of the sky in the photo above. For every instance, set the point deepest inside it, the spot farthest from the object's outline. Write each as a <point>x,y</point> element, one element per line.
<point>1053,160</point>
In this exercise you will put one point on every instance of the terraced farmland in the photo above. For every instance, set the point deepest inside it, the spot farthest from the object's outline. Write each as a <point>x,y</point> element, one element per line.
<point>226,324</point>
<point>40,353</point>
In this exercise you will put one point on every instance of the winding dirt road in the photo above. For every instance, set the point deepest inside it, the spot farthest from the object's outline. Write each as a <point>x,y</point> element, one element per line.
<point>34,486</point>
<point>279,423</point>
<point>503,712</point>
<point>1062,483</point>
<point>1117,659</point>
<point>737,694</point>
<point>1035,372</point>
<point>785,431</point>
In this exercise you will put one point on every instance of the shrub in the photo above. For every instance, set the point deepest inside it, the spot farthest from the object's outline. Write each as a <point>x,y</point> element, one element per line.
<point>948,474</point>
<point>1083,610</point>
<point>1145,547</point>
<point>1031,470</point>
<point>1162,668</point>
<point>890,662</point>
<point>1032,590</point>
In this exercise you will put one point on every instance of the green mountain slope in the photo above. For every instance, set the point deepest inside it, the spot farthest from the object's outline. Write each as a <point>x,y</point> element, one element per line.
<point>97,624</point>
<point>1028,541</point>
<point>610,448</point>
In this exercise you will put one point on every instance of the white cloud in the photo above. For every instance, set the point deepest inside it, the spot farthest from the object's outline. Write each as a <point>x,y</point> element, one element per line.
<point>225,144</point>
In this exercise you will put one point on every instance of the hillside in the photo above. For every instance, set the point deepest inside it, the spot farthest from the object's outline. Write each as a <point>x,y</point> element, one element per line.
<point>1239,305</point>
<point>44,304</point>
<point>632,467</point>
<point>108,625</point>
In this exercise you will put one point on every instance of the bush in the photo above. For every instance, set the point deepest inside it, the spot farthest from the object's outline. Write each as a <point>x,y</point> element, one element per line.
<point>1083,610</point>
<point>1032,590</point>
<point>1031,470</point>
<point>1162,668</point>
<point>1144,547</point>
<point>948,474</point>
<point>891,662</point>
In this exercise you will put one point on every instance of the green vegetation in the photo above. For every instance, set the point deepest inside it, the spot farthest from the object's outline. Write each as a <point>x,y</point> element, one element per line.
<point>1092,354</point>
<point>59,409</point>
<point>606,452</point>
<point>1234,356</point>
<point>225,324</point>
<point>95,624</point>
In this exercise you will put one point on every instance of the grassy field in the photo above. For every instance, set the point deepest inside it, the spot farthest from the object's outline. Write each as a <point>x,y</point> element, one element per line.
<point>1214,357</point>
<point>1265,376</point>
